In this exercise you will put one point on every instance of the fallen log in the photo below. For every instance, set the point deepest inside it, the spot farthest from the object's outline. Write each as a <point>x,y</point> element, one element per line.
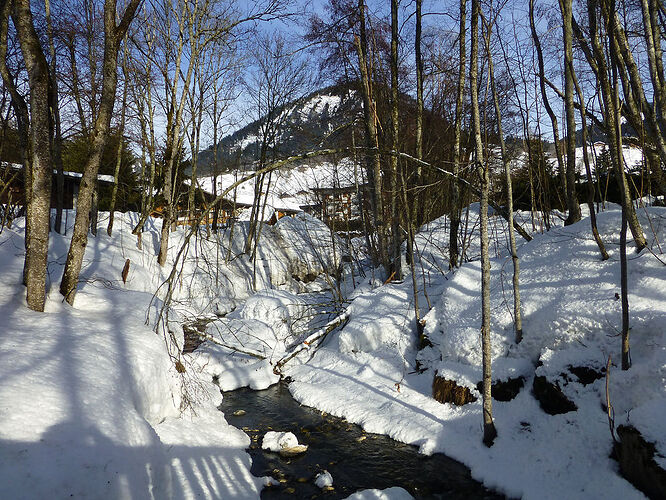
<point>310,340</point>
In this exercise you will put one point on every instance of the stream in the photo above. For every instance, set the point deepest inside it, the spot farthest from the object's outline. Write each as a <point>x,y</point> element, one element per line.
<point>356,459</point>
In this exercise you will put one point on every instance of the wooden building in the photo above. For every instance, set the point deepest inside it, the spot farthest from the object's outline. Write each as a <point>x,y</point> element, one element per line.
<point>14,195</point>
<point>341,204</point>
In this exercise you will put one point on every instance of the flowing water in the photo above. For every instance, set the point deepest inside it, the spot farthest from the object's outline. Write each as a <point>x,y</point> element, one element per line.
<point>356,459</point>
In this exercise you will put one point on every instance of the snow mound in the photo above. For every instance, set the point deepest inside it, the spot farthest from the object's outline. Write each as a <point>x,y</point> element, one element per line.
<point>571,319</point>
<point>394,493</point>
<point>93,402</point>
<point>324,480</point>
<point>284,443</point>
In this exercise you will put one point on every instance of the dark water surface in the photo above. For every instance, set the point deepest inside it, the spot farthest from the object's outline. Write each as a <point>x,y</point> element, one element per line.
<point>356,459</point>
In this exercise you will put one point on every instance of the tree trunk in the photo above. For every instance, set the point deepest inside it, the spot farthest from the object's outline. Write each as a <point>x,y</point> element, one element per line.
<point>457,132</point>
<point>610,100</point>
<point>119,150</point>
<point>369,118</point>
<point>396,257</point>
<point>588,172</point>
<point>55,108</point>
<point>417,213</point>
<point>517,316</point>
<point>489,431</point>
<point>94,208</point>
<point>572,202</point>
<point>544,97</point>
<point>112,36</point>
<point>39,201</point>
<point>174,122</point>
<point>626,356</point>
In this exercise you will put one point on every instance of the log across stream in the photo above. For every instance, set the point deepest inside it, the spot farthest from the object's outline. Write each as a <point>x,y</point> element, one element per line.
<point>356,459</point>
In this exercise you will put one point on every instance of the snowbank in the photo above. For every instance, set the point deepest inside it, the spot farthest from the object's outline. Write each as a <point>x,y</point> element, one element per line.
<point>571,317</point>
<point>91,401</point>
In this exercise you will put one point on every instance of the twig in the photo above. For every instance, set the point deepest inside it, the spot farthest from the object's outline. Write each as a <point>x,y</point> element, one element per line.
<point>226,346</point>
<point>609,406</point>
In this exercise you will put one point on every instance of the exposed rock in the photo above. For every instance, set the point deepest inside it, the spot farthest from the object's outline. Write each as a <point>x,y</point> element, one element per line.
<point>292,451</point>
<point>586,374</point>
<point>448,391</point>
<point>306,277</point>
<point>504,390</point>
<point>637,463</point>
<point>193,332</point>
<point>550,396</point>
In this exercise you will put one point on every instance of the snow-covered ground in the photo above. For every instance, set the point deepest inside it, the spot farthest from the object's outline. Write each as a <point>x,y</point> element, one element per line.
<point>571,317</point>
<point>92,402</point>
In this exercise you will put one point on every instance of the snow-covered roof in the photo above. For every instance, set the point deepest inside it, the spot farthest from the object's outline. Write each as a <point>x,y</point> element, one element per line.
<point>75,175</point>
<point>290,188</point>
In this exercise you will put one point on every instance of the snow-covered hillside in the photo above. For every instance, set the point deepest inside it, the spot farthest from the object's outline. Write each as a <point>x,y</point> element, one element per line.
<point>313,121</point>
<point>291,187</point>
<point>94,403</point>
<point>571,318</point>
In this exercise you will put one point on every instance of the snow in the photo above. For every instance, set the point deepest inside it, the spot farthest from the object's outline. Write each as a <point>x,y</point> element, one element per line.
<point>93,405</point>
<point>316,105</point>
<point>281,442</point>
<point>571,317</point>
<point>324,480</point>
<point>275,441</point>
<point>93,388</point>
<point>633,157</point>
<point>91,402</point>
<point>394,493</point>
<point>292,187</point>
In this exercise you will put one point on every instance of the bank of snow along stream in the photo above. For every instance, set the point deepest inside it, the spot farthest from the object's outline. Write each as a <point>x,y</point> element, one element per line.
<point>340,454</point>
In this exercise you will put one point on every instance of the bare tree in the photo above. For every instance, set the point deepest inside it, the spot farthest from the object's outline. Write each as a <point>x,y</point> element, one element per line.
<point>38,175</point>
<point>372,142</point>
<point>489,431</point>
<point>517,316</point>
<point>610,101</point>
<point>567,28</point>
<point>544,96</point>
<point>588,172</point>
<point>396,258</point>
<point>278,79</point>
<point>113,35</point>
<point>119,150</point>
<point>457,133</point>
<point>55,110</point>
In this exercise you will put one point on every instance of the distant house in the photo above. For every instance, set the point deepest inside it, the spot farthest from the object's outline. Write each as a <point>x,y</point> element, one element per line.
<point>15,194</point>
<point>227,210</point>
<point>340,204</point>
<point>278,213</point>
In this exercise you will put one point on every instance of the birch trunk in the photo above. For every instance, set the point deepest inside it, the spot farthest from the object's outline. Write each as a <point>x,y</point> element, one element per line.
<point>517,316</point>
<point>489,431</point>
<point>457,132</point>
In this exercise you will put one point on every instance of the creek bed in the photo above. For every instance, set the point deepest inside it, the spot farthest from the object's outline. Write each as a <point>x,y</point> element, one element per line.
<point>356,459</point>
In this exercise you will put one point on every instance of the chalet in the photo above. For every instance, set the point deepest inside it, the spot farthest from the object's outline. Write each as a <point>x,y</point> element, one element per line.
<point>227,210</point>
<point>340,204</point>
<point>238,205</point>
<point>15,194</point>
